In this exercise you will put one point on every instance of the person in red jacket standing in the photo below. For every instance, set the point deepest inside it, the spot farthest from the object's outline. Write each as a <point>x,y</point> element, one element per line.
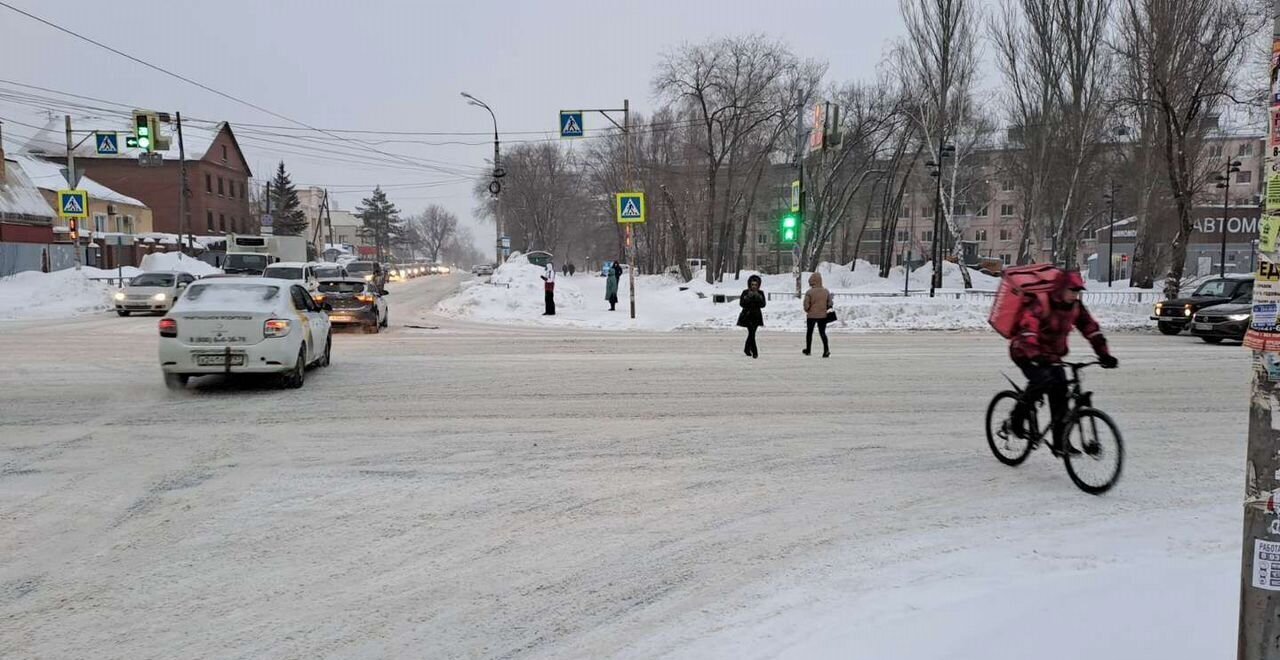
<point>1040,343</point>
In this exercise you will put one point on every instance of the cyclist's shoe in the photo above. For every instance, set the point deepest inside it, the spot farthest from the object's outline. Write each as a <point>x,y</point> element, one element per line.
<point>1059,451</point>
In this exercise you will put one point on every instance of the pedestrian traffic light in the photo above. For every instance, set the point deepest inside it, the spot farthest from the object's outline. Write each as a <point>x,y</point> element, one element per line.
<point>73,229</point>
<point>789,228</point>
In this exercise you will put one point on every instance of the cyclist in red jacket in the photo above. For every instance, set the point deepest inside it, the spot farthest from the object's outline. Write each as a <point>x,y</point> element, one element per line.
<point>1040,343</point>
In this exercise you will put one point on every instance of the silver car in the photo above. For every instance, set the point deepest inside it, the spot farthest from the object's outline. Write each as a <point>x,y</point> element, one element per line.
<point>151,292</point>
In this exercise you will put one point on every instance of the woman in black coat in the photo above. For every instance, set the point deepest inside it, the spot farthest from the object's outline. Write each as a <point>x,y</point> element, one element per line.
<point>751,317</point>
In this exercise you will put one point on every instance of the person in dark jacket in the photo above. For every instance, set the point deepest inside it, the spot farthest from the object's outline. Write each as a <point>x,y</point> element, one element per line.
<point>611,285</point>
<point>549,289</point>
<point>751,317</point>
<point>1040,342</point>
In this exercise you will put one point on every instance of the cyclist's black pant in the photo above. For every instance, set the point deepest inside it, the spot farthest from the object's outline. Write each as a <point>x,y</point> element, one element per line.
<point>1051,380</point>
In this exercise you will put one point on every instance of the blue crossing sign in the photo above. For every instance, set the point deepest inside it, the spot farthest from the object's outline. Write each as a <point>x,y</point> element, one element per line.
<point>630,207</point>
<point>108,143</point>
<point>73,204</point>
<point>570,123</point>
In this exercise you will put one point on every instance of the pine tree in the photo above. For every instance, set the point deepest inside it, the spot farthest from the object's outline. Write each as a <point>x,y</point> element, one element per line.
<point>381,222</point>
<point>286,209</point>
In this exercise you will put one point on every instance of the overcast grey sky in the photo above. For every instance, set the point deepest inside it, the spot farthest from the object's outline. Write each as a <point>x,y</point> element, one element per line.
<point>400,65</point>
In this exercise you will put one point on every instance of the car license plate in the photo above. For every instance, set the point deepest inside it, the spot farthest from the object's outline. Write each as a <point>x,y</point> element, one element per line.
<point>219,360</point>
<point>1204,326</point>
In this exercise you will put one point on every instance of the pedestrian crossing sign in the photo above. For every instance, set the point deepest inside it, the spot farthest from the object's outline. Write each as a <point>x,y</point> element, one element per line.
<point>630,207</point>
<point>108,143</point>
<point>73,204</point>
<point>570,123</point>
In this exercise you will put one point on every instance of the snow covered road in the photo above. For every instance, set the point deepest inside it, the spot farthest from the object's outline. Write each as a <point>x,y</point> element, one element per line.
<point>461,490</point>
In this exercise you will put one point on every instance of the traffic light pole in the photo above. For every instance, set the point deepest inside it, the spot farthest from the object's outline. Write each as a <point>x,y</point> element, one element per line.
<point>1259,628</point>
<point>184,230</point>
<point>72,180</point>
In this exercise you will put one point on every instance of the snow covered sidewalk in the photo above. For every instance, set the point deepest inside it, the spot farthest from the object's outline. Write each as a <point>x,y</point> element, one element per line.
<point>70,292</point>
<point>514,296</point>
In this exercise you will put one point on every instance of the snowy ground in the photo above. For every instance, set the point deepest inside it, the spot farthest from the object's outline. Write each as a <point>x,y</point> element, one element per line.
<point>71,292</point>
<point>514,295</point>
<point>458,490</point>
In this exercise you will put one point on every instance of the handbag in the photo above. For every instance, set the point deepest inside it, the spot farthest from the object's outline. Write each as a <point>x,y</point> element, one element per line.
<point>831,316</point>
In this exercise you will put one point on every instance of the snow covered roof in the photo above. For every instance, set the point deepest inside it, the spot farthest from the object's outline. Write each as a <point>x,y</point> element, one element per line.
<point>19,198</point>
<point>48,176</point>
<point>51,140</point>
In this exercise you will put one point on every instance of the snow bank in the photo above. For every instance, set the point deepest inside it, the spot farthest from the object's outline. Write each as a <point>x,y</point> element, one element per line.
<point>515,295</point>
<point>36,295</point>
<point>179,262</point>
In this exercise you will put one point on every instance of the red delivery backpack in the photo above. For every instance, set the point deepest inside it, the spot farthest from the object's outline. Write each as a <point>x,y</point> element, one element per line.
<point>1018,285</point>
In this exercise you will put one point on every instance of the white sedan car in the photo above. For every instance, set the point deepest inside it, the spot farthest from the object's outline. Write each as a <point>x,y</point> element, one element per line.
<point>251,325</point>
<point>151,292</point>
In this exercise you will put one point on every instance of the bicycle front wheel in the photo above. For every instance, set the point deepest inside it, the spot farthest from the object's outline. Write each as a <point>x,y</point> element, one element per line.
<point>1096,453</point>
<point>1005,444</point>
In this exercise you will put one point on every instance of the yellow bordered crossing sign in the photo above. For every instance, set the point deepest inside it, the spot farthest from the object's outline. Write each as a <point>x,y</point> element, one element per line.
<point>73,204</point>
<point>630,207</point>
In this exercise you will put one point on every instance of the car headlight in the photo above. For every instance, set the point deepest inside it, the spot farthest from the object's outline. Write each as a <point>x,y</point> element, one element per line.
<point>1238,317</point>
<point>1159,308</point>
<point>159,297</point>
<point>1186,311</point>
<point>119,295</point>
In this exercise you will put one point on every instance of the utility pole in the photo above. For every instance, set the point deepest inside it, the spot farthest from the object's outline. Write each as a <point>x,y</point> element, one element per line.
<point>1111,238</point>
<point>72,180</point>
<point>800,149</point>
<point>184,222</point>
<point>1224,182</point>
<point>1259,630</point>
<point>629,177</point>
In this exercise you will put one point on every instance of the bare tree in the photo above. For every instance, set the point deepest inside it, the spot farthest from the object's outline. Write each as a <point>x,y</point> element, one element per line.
<point>434,229</point>
<point>1187,51</point>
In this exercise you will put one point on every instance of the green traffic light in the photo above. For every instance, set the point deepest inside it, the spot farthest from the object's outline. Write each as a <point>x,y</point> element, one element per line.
<point>144,142</point>
<point>790,222</point>
<point>788,235</point>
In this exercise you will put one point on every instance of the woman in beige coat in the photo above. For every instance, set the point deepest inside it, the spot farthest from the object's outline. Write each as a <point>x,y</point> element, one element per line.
<point>817,307</point>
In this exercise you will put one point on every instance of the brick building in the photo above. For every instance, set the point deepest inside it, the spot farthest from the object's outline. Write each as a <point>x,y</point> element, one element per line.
<point>217,175</point>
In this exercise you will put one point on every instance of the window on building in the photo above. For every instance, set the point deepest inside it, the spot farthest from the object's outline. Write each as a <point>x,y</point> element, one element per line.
<point>762,239</point>
<point>1244,177</point>
<point>1006,210</point>
<point>872,235</point>
<point>980,235</point>
<point>1246,149</point>
<point>961,209</point>
<point>242,193</point>
<point>904,235</point>
<point>983,212</point>
<point>220,186</point>
<point>926,235</point>
<point>1004,258</point>
<point>1215,151</point>
<point>926,211</point>
<point>222,223</point>
<point>1006,235</point>
<point>125,224</point>
<point>1007,185</point>
<point>905,211</point>
<point>99,222</point>
<point>231,189</point>
<point>224,152</point>
<point>208,183</point>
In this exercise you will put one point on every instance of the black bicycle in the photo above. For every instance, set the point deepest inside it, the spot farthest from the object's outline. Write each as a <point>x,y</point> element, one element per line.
<point>1094,452</point>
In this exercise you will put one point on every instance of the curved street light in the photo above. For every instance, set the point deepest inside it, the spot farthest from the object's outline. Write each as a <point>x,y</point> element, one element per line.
<point>494,186</point>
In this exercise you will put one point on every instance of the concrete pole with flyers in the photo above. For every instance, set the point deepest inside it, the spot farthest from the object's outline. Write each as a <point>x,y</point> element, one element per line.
<point>1259,628</point>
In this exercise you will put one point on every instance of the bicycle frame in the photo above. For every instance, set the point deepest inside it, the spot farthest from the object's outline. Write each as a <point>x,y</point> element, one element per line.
<point>1077,398</point>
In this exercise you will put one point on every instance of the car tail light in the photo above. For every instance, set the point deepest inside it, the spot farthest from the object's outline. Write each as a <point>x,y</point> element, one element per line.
<point>168,328</point>
<point>319,297</point>
<point>275,328</point>
<point>364,298</point>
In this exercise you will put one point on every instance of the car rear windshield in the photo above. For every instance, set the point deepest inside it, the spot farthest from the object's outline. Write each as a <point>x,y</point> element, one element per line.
<point>342,287</point>
<point>283,273</point>
<point>1215,288</point>
<point>358,267</point>
<point>152,279</point>
<point>207,294</point>
<point>254,262</point>
<point>328,271</point>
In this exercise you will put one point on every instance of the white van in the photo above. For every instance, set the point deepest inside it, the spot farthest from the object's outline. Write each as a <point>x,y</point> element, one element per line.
<point>296,271</point>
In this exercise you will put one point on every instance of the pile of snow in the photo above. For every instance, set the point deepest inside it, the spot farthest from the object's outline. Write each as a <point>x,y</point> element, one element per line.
<point>166,261</point>
<point>515,295</point>
<point>36,295</point>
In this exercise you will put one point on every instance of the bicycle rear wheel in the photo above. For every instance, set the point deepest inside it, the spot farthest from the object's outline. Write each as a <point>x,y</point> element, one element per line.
<point>1097,451</point>
<point>1008,447</point>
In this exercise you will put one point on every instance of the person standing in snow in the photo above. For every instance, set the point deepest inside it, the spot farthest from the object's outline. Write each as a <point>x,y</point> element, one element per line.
<point>751,317</point>
<point>611,285</point>
<point>817,307</point>
<point>549,289</point>
<point>572,270</point>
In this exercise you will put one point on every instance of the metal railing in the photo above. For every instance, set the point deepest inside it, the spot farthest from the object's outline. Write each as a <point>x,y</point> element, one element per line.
<point>1090,297</point>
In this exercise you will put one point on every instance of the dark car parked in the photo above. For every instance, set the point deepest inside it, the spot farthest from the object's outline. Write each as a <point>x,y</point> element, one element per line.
<point>1227,321</point>
<point>1173,316</point>
<point>354,302</point>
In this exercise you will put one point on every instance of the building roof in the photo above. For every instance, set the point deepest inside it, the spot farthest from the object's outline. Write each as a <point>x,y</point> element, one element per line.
<point>19,198</point>
<point>51,142</point>
<point>48,176</point>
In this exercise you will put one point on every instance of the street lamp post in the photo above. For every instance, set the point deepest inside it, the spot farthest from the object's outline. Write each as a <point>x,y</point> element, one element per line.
<point>944,151</point>
<point>494,186</point>
<point>1224,182</point>
<point>1110,196</point>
